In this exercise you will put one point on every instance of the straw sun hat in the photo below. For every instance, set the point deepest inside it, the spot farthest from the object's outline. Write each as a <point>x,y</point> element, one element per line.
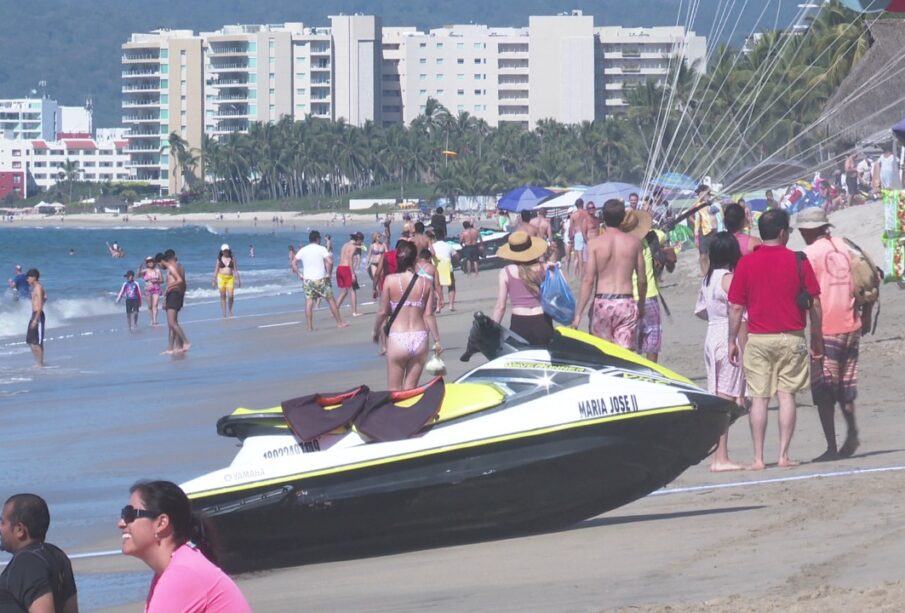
<point>636,223</point>
<point>522,248</point>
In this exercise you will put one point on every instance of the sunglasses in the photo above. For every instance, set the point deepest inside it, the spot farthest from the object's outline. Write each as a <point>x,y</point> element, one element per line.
<point>130,514</point>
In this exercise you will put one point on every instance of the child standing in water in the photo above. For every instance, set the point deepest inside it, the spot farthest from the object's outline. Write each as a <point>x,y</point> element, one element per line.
<point>132,293</point>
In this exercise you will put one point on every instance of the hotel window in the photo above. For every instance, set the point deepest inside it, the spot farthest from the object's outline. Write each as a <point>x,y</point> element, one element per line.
<point>165,53</point>
<point>478,45</point>
<point>422,46</point>
<point>477,92</point>
<point>422,77</point>
<point>300,75</point>
<point>271,43</point>
<point>460,92</point>
<point>439,92</point>
<point>422,92</point>
<point>460,61</point>
<point>478,107</point>
<point>423,108</point>
<point>477,76</point>
<point>460,77</point>
<point>17,152</point>
<point>460,108</point>
<point>301,91</point>
<point>460,45</point>
<point>422,60</point>
<point>439,60</point>
<point>439,45</point>
<point>439,76</point>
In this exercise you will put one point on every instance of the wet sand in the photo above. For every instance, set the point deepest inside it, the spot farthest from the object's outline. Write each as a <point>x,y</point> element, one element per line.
<point>774,540</point>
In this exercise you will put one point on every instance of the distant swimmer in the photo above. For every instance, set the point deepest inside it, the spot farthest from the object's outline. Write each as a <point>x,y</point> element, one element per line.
<point>34,337</point>
<point>226,279</point>
<point>19,282</point>
<point>116,251</point>
<point>71,252</point>
<point>132,293</point>
<point>251,248</point>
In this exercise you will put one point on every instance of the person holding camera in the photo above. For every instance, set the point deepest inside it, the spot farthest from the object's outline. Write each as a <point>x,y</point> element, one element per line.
<point>778,289</point>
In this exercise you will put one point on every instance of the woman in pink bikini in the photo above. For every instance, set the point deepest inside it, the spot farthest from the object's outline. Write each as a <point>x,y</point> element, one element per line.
<point>407,340</point>
<point>153,278</point>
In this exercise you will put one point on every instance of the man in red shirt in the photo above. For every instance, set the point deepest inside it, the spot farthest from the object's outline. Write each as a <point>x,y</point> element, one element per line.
<point>770,283</point>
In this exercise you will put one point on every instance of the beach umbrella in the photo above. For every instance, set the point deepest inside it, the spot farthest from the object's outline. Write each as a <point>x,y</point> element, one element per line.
<point>562,200</point>
<point>599,194</point>
<point>899,131</point>
<point>523,198</point>
<point>675,180</point>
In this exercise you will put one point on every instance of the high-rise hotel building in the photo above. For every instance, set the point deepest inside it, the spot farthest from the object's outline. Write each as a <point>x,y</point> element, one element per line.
<point>558,67</point>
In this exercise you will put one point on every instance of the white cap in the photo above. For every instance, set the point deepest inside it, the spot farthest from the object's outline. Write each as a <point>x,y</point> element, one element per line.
<point>224,247</point>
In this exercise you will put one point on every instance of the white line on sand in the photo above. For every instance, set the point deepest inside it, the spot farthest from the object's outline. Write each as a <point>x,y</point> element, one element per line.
<point>285,323</point>
<point>678,490</point>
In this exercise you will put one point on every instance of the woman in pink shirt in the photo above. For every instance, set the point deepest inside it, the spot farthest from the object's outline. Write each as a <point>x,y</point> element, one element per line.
<point>159,528</point>
<point>736,221</point>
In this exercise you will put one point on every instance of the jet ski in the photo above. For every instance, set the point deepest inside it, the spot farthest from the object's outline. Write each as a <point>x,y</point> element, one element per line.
<point>491,240</point>
<point>534,439</point>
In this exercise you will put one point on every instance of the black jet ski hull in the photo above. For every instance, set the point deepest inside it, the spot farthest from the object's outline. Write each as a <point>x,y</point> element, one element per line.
<point>534,483</point>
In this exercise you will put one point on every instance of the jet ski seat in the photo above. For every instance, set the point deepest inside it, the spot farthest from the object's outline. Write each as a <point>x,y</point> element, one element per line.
<point>459,400</point>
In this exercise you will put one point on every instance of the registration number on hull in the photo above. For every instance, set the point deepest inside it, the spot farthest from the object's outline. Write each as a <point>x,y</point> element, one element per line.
<point>612,405</point>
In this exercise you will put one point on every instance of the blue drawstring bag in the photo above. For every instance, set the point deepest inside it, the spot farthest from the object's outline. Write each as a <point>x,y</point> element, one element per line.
<point>556,298</point>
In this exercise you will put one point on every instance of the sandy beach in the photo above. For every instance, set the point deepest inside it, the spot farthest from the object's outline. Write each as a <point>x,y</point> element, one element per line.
<point>825,537</point>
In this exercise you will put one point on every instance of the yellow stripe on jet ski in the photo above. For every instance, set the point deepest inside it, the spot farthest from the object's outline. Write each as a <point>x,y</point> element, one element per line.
<point>437,450</point>
<point>618,352</point>
<point>459,399</point>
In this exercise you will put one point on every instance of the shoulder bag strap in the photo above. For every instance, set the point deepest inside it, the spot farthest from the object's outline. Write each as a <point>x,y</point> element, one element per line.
<point>402,299</point>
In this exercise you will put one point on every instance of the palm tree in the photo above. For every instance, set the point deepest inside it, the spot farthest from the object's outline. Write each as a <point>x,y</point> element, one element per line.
<point>70,173</point>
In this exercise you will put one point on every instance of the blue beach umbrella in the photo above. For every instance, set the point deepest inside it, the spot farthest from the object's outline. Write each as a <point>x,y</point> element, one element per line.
<point>675,180</point>
<point>602,192</point>
<point>522,198</point>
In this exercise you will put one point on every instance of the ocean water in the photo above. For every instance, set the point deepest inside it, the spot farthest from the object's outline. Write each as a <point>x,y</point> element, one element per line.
<point>109,409</point>
<point>85,284</point>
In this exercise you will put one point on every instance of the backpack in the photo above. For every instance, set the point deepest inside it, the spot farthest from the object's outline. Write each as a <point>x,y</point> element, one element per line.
<point>866,276</point>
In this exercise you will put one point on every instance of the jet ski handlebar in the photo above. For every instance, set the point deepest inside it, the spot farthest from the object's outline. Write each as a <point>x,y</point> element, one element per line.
<point>491,339</point>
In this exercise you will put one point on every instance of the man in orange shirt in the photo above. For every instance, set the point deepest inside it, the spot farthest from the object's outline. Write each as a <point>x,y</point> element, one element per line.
<point>834,379</point>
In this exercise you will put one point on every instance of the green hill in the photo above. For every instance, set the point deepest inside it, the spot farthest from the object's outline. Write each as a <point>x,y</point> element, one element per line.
<point>74,45</point>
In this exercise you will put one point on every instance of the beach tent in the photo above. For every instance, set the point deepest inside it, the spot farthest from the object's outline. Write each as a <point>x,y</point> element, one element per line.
<point>44,208</point>
<point>675,180</point>
<point>562,200</point>
<point>899,131</point>
<point>602,192</point>
<point>523,198</point>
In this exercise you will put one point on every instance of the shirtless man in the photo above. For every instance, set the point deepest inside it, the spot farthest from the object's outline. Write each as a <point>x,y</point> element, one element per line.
<point>34,337</point>
<point>590,225</point>
<point>613,258</point>
<point>116,251</point>
<point>346,279</point>
<point>177,342</point>
<point>469,239</point>
<point>524,224</point>
<point>541,226</point>
<point>420,239</point>
<point>576,239</point>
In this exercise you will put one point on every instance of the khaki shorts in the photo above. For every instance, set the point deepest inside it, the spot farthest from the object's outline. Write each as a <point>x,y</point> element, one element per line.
<point>776,362</point>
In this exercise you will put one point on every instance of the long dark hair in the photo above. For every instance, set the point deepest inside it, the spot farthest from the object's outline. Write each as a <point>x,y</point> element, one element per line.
<point>724,253</point>
<point>734,217</point>
<point>167,497</point>
<point>406,254</point>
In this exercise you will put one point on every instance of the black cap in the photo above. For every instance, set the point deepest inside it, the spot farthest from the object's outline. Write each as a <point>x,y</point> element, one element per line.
<point>129,274</point>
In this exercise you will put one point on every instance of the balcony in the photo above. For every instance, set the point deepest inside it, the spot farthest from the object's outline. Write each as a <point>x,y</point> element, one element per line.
<point>141,74</point>
<point>320,49</point>
<point>142,134</point>
<point>228,127</point>
<point>141,118</point>
<point>140,88</point>
<point>230,67</point>
<point>141,103</point>
<point>134,58</point>
<point>513,95</point>
<point>228,50</point>
<point>143,163</point>
<point>140,149</point>
<point>232,98</point>
<point>513,110</point>
<point>224,114</point>
<point>513,49</point>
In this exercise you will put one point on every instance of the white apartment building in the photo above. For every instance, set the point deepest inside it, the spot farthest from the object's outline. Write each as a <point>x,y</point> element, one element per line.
<point>628,57</point>
<point>559,67</point>
<point>31,118</point>
<point>41,161</point>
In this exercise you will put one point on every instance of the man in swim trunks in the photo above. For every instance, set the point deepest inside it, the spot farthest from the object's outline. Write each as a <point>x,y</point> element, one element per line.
<point>34,337</point>
<point>524,224</point>
<point>471,252</point>
<point>174,298</point>
<point>317,265</point>
<point>541,226</point>
<point>346,279</point>
<point>576,238</point>
<point>613,258</point>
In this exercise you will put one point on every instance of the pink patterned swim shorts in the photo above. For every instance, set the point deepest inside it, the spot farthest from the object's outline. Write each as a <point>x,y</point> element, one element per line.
<point>614,317</point>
